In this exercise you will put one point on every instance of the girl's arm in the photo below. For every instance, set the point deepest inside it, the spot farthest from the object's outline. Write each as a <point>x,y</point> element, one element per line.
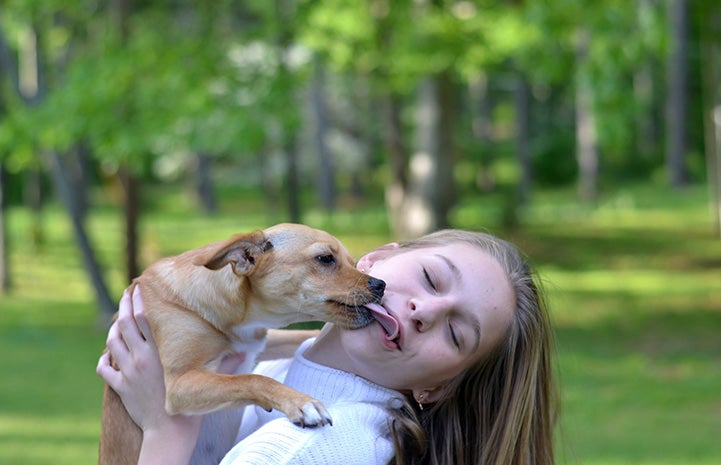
<point>282,343</point>
<point>139,382</point>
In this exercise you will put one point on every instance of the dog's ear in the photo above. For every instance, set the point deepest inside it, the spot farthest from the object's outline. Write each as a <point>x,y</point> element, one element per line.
<point>240,251</point>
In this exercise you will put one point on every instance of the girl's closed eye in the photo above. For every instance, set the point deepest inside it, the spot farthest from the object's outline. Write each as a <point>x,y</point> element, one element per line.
<point>454,336</point>
<point>429,280</point>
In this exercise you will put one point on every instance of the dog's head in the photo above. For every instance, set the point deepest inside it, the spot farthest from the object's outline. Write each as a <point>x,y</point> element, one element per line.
<point>297,273</point>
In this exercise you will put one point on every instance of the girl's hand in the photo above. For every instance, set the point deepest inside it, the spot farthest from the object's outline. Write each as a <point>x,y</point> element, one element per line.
<point>140,383</point>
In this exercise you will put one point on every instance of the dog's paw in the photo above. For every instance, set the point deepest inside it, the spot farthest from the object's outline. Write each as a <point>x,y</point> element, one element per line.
<point>312,414</point>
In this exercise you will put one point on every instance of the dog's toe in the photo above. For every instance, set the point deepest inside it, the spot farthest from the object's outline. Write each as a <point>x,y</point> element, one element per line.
<point>314,414</point>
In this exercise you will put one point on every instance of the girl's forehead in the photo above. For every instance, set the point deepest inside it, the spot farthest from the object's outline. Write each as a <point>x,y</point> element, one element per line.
<point>451,247</point>
<point>460,250</point>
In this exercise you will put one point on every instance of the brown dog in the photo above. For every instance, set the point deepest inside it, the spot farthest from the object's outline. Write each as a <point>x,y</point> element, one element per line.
<point>217,299</point>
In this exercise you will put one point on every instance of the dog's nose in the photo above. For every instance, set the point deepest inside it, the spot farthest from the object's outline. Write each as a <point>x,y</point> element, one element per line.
<point>377,286</point>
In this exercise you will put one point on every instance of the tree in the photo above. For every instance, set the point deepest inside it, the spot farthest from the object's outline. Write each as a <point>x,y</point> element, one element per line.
<point>425,200</point>
<point>710,25</point>
<point>326,172</point>
<point>677,92</point>
<point>5,284</point>
<point>93,268</point>
<point>412,61</point>
<point>31,90</point>
<point>586,138</point>
<point>523,138</point>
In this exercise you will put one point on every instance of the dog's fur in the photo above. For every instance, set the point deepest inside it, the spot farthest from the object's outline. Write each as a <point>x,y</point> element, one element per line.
<point>217,299</point>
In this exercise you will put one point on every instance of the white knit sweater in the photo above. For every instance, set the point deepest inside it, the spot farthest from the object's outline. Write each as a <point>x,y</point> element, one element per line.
<point>359,434</point>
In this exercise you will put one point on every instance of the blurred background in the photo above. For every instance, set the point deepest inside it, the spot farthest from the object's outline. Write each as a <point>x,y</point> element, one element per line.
<point>586,132</point>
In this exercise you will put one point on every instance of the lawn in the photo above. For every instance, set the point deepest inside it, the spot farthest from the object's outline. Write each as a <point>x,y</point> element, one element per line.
<point>634,285</point>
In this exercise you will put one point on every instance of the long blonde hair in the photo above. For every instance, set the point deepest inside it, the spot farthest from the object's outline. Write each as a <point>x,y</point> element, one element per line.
<point>502,410</point>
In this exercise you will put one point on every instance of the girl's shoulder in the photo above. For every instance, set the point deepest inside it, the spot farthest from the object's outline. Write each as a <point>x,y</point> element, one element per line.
<point>359,434</point>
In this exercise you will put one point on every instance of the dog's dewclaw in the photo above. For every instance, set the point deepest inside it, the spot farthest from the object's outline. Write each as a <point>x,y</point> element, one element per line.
<point>313,414</point>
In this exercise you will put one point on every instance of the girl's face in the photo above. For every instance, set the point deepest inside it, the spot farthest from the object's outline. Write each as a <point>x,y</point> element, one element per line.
<point>452,304</point>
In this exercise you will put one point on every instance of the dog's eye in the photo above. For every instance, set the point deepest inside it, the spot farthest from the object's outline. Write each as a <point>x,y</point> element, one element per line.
<point>326,259</point>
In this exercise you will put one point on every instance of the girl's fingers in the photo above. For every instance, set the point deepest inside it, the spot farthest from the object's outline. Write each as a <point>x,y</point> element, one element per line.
<point>106,371</point>
<point>117,347</point>
<point>139,315</point>
<point>115,342</point>
<point>126,323</point>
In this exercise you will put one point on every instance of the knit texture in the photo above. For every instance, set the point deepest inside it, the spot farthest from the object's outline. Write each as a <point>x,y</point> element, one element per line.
<point>359,434</point>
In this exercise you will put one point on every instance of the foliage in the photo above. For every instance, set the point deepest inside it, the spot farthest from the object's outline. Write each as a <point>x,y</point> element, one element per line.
<point>192,78</point>
<point>178,84</point>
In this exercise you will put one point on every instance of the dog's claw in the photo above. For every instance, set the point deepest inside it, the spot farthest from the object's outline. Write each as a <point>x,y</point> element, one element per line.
<point>313,414</point>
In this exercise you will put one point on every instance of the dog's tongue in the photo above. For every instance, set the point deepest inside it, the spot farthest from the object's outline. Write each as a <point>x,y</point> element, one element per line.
<point>390,325</point>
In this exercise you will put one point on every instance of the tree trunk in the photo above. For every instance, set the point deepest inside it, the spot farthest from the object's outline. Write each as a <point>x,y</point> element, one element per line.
<point>586,137</point>
<point>33,199</point>
<point>429,194</point>
<point>645,88</point>
<point>204,184</point>
<point>446,155</point>
<point>7,67</point>
<point>120,11</point>
<point>288,133</point>
<point>643,95</point>
<point>367,129</point>
<point>8,64</point>
<point>398,156</point>
<point>710,25</point>
<point>5,284</point>
<point>269,185</point>
<point>677,105</point>
<point>523,139</point>
<point>30,88</point>
<point>714,171</point>
<point>290,149</point>
<point>78,170</point>
<point>482,126</point>
<point>131,210</point>
<point>326,172</point>
<point>66,194</point>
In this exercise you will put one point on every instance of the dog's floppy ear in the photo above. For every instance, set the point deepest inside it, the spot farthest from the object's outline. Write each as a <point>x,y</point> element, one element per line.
<point>241,251</point>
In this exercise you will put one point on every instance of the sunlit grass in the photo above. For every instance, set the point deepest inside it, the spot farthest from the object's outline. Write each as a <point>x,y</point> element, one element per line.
<point>48,439</point>
<point>635,282</point>
<point>634,285</point>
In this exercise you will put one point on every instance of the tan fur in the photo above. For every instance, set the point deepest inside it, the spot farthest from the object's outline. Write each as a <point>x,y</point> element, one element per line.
<point>219,298</point>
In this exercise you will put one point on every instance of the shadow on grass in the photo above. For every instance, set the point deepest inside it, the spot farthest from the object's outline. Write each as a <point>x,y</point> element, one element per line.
<point>587,247</point>
<point>640,380</point>
<point>49,352</point>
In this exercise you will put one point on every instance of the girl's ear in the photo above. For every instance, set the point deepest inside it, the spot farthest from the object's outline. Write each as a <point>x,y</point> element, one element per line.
<point>366,261</point>
<point>428,395</point>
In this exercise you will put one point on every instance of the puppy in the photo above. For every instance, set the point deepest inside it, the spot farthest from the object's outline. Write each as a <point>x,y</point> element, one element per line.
<point>218,299</point>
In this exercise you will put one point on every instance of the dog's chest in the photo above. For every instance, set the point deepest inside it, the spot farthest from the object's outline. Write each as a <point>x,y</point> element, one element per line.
<point>249,338</point>
<point>218,430</point>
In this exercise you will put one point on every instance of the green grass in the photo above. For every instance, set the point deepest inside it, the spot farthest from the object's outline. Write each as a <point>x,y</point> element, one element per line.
<point>634,285</point>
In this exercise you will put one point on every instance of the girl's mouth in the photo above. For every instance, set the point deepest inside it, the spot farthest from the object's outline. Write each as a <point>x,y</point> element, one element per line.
<point>389,324</point>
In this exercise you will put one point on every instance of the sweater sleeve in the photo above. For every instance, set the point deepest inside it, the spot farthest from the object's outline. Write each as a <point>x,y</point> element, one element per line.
<point>358,436</point>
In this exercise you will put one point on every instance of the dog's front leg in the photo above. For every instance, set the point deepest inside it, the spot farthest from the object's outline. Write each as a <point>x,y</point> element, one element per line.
<point>199,392</point>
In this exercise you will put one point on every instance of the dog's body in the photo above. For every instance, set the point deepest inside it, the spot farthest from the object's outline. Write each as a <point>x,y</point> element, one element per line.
<point>218,299</point>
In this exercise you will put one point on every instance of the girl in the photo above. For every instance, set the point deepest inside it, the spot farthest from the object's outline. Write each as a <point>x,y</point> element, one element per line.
<point>455,370</point>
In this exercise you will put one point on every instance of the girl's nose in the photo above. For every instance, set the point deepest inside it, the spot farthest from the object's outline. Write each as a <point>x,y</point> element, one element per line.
<point>425,312</point>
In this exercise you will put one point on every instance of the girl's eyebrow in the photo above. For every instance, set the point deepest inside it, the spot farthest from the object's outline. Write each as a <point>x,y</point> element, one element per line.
<point>451,266</point>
